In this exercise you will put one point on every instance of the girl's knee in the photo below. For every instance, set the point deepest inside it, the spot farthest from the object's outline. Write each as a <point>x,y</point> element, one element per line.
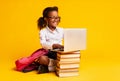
<point>43,60</point>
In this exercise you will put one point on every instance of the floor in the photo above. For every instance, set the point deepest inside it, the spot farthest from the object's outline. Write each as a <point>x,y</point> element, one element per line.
<point>91,69</point>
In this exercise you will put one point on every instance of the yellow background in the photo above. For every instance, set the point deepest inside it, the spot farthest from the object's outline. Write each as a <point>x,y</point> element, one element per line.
<point>19,37</point>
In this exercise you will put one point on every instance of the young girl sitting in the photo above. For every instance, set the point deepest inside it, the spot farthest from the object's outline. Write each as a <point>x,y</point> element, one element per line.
<point>51,37</point>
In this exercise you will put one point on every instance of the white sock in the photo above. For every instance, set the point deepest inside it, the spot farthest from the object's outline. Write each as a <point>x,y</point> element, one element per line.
<point>51,65</point>
<point>51,62</point>
<point>51,68</point>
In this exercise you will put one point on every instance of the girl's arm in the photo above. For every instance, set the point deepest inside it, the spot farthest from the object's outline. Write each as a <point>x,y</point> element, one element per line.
<point>44,43</point>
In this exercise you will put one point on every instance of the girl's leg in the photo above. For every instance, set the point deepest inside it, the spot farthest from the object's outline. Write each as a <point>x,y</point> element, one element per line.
<point>47,61</point>
<point>43,67</point>
<point>52,60</point>
<point>43,60</point>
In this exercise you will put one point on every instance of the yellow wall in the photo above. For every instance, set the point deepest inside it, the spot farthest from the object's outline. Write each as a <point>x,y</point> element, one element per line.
<point>19,34</point>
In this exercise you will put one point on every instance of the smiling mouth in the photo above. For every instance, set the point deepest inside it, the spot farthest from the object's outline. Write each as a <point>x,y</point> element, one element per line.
<point>55,22</point>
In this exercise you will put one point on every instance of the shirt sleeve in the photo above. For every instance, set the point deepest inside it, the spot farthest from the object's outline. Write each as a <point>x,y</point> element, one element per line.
<point>44,43</point>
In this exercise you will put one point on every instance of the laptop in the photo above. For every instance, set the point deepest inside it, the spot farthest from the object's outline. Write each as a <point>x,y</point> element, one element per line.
<point>74,39</point>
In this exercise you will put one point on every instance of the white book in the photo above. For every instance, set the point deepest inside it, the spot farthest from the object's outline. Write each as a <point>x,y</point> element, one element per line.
<point>65,66</point>
<point>67,74</point>
<point>67,70</point>
<point>75,55</point>
<point>69,60</point>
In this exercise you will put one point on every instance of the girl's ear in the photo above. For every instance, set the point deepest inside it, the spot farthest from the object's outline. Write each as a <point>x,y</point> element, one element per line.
<point>45,19</point>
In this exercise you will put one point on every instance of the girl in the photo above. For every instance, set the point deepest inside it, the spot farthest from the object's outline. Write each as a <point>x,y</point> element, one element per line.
<point>50,38</point>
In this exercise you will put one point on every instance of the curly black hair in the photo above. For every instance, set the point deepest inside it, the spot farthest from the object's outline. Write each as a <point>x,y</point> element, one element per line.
<point>41,22</point>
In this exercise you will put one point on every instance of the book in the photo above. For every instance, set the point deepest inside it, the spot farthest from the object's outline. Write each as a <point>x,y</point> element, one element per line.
<point>66,69</point>
<point>68,66</point>
<point>68,63</point>
<point>68,52</point>
<point>75,55</point>
<point>68,59</point>
<point>67,74</point>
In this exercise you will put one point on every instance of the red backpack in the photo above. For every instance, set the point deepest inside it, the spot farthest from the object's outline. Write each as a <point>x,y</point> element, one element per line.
<point>26,61</point>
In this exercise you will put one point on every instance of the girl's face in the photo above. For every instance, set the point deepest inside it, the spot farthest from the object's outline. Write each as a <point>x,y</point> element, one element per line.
<point>53,19</point>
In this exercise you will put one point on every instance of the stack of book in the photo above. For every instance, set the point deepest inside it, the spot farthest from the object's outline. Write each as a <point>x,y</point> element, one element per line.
<point>68,63</point>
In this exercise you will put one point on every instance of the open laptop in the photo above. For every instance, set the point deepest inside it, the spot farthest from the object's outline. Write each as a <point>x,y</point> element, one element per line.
<point>74,39</point>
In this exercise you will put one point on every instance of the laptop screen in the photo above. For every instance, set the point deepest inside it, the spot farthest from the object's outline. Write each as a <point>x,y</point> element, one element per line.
<point>74,39</point>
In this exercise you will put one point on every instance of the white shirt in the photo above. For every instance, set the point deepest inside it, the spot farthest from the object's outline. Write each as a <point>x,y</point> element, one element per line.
<point>49,37</point>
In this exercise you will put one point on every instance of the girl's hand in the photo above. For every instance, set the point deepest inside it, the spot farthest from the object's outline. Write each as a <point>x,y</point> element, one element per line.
<point>57,46</point>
